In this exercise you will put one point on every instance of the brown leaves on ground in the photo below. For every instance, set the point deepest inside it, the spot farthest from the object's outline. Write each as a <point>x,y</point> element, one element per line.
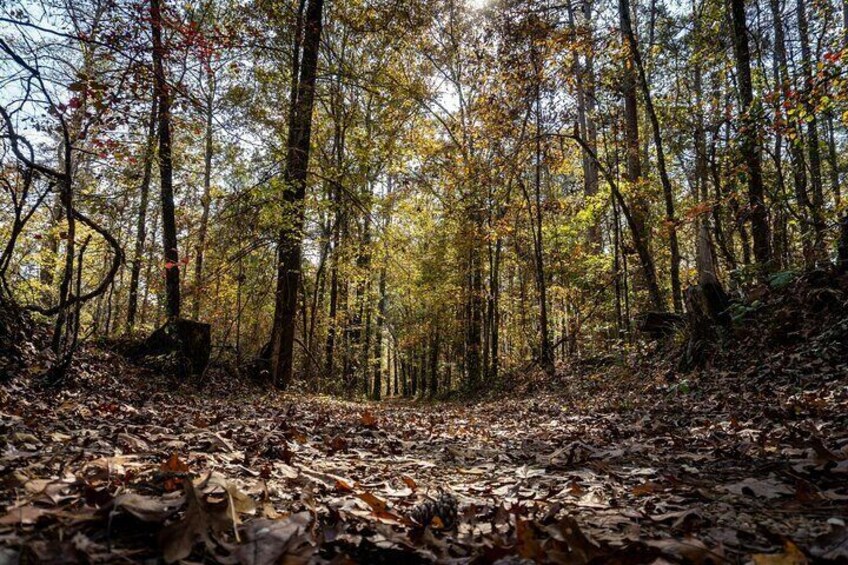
<point>173,471</point>
<point>124,472</point>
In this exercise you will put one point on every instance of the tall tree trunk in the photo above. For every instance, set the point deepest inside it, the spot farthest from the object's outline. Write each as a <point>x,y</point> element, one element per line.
<point>381,311</point>
<point>833,161</point>
<point>585,82</point>
<point>749,146</point>
<point>702,192</point>
<point>290,238</point>
<point>638,213</point>
<point>494,310</point>
<point>206,200</point>
<point>546,357</point>
<point>141,226</point>
<point>378,338</point>
<point>842,244</point>
<point>434,364</point>
<point>796,151</point>
<point>364,292</point>
<point>169,223</point>
<point>395,364</point>
<point>817,204</point>
<point>66,189</point>
<point>148,270</point>
<point>668,193</point>
<point>332,322</point>
<point>474,321</point>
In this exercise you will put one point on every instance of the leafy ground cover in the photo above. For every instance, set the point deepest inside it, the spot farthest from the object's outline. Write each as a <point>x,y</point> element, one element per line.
<point>124,465</point>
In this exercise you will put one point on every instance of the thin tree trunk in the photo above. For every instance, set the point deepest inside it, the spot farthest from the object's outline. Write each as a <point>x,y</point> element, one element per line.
<point>668,194</point>
<point>494,290</point>
<point>832,161</point>
<point>141,226</point>
<point>796,151</point>
<point>434,364</point>
<point>817,204</point>
<point>206,200</point>
<point>639,212</point>
<point>546,351</point>
<point>585,83</point>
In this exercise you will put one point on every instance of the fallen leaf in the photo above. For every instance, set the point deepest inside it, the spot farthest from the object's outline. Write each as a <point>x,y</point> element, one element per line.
<point>145,508</point>
<point>24,515</point>
<point>832,545</point>
<point>172,469</point>
<point>791,555</point>
<point>761,488</point>
<point>197,524</point>
<point>368,420</point>
<point>268,542</point>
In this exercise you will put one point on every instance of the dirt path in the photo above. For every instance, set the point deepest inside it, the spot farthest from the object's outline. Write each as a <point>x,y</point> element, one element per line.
<point>116,472</point>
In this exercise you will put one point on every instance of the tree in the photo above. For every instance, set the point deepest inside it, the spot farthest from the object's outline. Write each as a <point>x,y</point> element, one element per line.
<point>166,181</point>
<point>749,145</point>
<point>297,162</point>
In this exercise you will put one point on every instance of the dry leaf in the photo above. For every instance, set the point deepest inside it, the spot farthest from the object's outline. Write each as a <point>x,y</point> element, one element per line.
<point>791,555</point>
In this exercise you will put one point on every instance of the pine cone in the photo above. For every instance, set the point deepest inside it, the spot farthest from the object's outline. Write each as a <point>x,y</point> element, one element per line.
<point>444,507</point>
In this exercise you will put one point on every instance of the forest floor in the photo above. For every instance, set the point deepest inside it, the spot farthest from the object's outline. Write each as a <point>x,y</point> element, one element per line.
<point>124,465</point>
<point>622,460</point>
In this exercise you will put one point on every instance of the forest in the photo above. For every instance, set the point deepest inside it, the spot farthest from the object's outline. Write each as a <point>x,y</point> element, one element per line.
<point>423,281</point>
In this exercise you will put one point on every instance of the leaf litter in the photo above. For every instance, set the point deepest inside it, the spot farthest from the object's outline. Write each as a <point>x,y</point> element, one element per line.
<point>112,470</point>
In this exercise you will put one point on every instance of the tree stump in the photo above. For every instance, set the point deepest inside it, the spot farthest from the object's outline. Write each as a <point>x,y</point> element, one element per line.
<point>706,311</point>
<point>259,368</point>
<point>180,346</point>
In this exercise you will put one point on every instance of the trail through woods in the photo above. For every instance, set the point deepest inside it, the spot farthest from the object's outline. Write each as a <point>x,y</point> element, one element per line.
<point>117,469</point>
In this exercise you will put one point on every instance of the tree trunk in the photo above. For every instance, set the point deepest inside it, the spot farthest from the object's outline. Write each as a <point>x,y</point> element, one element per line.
<point>206,200</point>
<point>638,212</point>
<point>474,315</point>
<point>832,160</point>
<point>842,245</point>
<point>817,204</point>
<point>796,151</point>
<point>546,356</point>
<point>585,83</point>
<point>434,365</point>
<point>290,238</point>
<point>668,194</point>
<point>141,229</point>
<point>749,146</point>
<point>169,223</point>
<point>494,291</point>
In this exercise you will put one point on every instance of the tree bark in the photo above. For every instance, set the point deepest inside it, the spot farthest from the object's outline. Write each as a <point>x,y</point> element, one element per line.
<point>546,356</point>
<point>817,204</point>
<point>206,200</point>
<point>638,213</point>
<point>585,83</point>
<point>290,237</point>
<point>749,146</point>
<point>434,365</point>
<point>141,226</point>
<point>796,151</point>
<point>668,194</point>
<point>169,223</point>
